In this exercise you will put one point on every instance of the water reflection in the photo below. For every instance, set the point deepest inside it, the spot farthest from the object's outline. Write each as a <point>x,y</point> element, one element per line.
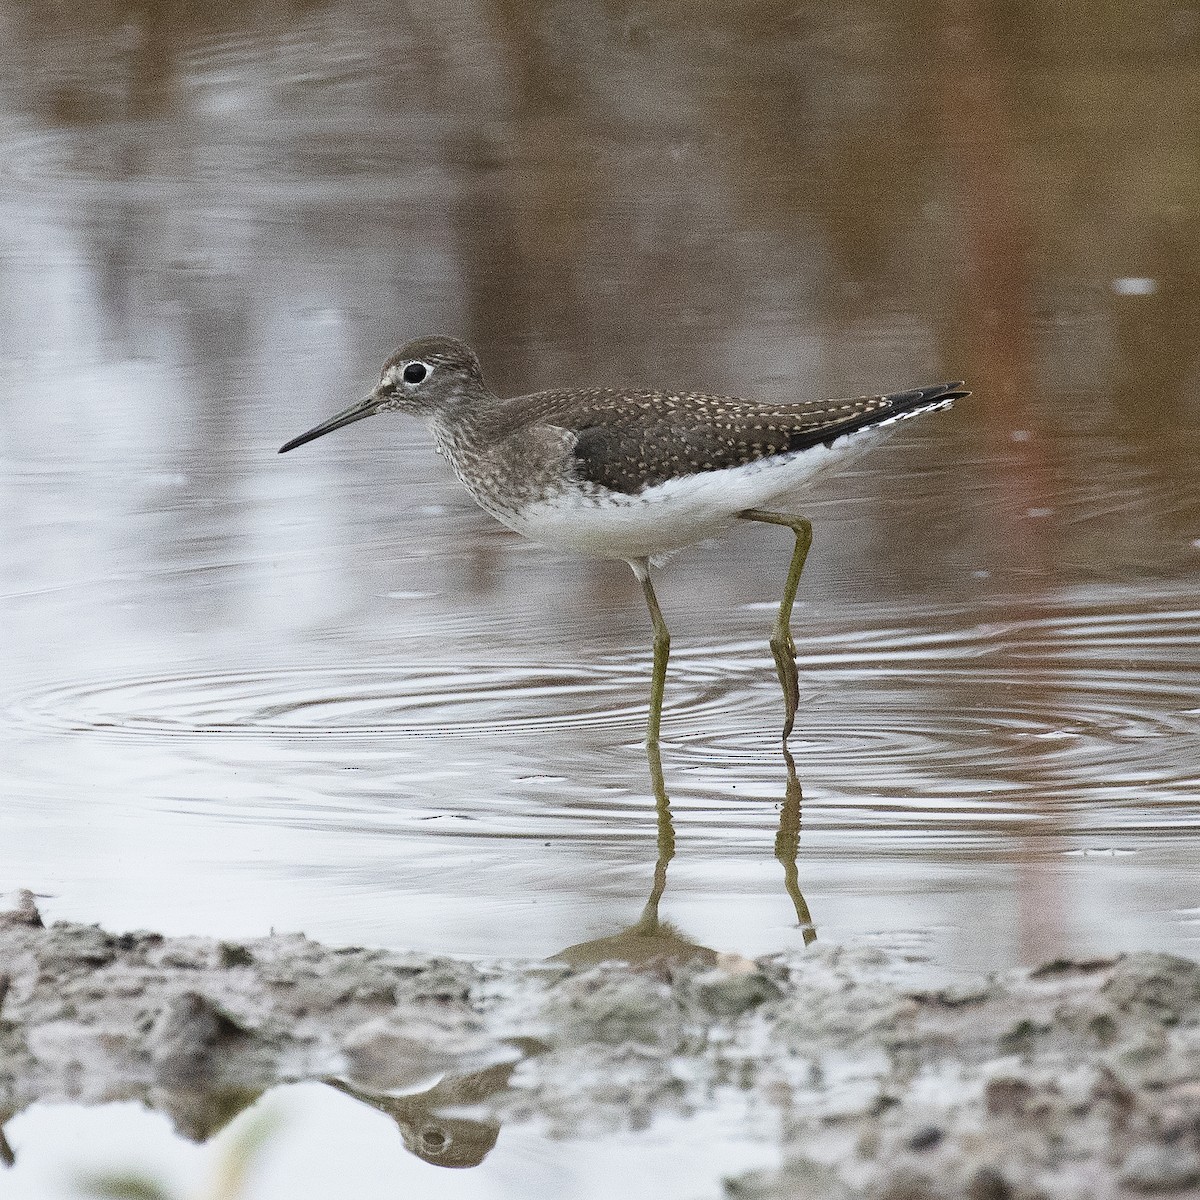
<point>787,846</point>
<point>653,940</point>
<point>312,1139</point>
<point>394,785</point>
<point>388,1066</point>
<point>438,1125</point>
<point>426,1120</point>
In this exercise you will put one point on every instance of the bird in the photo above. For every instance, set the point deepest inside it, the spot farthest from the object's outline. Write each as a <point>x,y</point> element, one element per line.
<point>632,473</point>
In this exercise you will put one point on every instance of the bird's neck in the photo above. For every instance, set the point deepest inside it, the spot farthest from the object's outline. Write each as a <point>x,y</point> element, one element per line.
<point>462,425</point>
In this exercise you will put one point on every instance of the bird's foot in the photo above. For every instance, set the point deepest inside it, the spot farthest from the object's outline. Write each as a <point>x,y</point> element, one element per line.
<point>784,650</point>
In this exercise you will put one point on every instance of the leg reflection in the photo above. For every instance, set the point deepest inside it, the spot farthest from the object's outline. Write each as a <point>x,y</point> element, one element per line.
<point>787,846</point>
<point>651,938</point>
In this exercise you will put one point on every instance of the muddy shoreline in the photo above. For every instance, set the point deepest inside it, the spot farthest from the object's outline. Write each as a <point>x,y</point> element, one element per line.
<point>1079,1078</point>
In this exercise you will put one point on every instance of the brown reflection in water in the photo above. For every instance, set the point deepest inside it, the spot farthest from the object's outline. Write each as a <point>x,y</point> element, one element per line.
<point>995,288</point>
<point>630,194</point>
<point>982,145</point>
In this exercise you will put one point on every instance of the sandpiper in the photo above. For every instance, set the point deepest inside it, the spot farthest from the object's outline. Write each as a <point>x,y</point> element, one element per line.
<point>628,473</point>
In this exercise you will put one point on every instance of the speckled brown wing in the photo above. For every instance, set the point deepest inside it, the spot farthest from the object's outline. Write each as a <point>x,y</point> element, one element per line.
<point>629,440</point>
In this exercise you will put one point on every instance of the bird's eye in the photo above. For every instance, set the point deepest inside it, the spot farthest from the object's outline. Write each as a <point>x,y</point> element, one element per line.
<point>415,372</point>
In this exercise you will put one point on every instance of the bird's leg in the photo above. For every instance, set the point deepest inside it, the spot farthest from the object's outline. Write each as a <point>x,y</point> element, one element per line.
<point>662,648</point>
<point>648,923</point>
<point>782,645</point>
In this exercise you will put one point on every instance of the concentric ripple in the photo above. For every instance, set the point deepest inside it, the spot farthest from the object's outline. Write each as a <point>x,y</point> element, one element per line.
<point>427,700</point>
<point>1080,703</point>
<point>1080,707</point>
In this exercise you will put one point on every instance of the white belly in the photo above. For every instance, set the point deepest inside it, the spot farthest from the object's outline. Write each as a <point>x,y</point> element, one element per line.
<point>669,515</point>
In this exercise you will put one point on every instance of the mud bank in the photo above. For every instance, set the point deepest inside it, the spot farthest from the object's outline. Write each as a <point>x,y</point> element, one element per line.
<point>1076,1079</point>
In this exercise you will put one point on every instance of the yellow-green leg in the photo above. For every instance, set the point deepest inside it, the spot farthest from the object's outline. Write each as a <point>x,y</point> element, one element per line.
<point>782,645</point>
<point>648,924</point>
<point>662,648</point>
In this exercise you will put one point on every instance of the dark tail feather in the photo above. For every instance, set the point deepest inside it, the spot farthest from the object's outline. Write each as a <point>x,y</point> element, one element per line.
<point>896,406</point>
<point>942,394</point>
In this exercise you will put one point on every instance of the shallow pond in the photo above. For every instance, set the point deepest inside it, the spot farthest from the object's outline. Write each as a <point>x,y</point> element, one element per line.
<point>324,692</point>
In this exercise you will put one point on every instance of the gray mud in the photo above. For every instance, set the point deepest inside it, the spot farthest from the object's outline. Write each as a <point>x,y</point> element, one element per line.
<point>1080,1078</point>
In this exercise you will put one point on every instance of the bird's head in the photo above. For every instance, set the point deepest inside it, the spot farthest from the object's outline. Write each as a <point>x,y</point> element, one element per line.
<point>425,377</point>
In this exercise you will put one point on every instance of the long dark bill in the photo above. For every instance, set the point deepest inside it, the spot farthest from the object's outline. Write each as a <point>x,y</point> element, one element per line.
<point>356,412</point>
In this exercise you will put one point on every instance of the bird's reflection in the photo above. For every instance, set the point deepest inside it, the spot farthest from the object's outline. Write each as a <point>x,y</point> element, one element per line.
<point>434,1124</point>
<point>437,1124</point>
<point>451,1124</point>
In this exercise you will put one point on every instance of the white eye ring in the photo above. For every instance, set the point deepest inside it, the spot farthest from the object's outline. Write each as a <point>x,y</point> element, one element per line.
<point>415,372</point>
